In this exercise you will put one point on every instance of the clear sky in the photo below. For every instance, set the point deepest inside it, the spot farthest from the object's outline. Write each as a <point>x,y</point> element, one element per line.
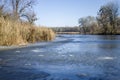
<point>55,13</point>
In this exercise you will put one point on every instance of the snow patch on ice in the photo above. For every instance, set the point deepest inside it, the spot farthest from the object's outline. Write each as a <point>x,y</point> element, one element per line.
<point>35,50</point>
<point>106,58</point>
<point>71,55</point>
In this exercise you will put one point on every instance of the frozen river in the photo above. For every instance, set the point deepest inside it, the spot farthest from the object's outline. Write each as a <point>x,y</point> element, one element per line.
<point>68,57</point>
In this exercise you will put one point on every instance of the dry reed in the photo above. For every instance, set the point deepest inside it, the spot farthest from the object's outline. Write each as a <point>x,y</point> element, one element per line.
<point>16,33</point>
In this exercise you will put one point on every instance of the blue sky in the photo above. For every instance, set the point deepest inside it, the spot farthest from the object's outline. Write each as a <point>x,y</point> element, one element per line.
<point>56,13</point>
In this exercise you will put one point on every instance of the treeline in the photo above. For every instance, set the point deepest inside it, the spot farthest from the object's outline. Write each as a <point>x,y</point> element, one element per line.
<point>17,23</point>
<point>106,22</point>
<point>66,29</point>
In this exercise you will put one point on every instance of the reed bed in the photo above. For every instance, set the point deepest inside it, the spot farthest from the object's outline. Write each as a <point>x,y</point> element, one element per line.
<point>16,33</point>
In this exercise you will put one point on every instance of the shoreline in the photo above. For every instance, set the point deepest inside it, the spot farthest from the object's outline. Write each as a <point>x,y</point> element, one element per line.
<point>85,34</point>
<point>20,46</point>
<point>14,46</point>
<point>23,45</point>
<point>11,47</point>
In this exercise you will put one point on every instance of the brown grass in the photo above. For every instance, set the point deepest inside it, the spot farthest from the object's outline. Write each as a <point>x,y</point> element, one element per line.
<point>16,33</point>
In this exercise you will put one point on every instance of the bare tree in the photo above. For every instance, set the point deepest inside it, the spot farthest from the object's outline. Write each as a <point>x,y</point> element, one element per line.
<point>3,9</point>
<point>31,17</point>
<point>20,7</point>
<point>86,23</point>
<point>107,18</point>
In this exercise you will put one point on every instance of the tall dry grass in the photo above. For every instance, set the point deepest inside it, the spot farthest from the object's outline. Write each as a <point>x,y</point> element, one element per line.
<point>16,33</point>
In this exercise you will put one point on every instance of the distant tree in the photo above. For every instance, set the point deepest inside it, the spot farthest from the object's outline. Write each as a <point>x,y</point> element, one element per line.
<point>118,21</point>
<point>66,29</point>
<point>82,24</point>
<point>107,18</point>
<point>85,23</point>
<point>118,24</point>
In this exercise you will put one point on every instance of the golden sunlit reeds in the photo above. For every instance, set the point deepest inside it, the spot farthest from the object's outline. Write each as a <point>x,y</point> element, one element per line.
<point>16,33</point>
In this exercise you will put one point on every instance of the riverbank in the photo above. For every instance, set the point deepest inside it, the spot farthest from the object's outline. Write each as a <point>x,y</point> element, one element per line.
<point>118,33</point>
<point>21,33</point>
<point>10,47</point>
